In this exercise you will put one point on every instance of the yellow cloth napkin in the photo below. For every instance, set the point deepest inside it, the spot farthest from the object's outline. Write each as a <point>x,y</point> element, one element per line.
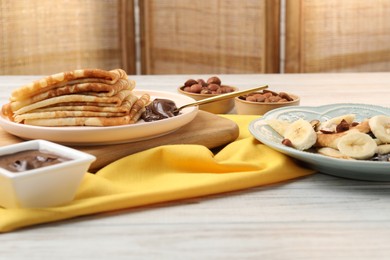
<point>167,173</point>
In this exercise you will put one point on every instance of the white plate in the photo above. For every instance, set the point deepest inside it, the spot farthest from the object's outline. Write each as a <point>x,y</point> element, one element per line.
<point>111,134</point>
<point>353,169</point>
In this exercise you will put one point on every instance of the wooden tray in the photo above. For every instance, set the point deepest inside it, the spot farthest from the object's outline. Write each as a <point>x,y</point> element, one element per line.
<point>206,129</point>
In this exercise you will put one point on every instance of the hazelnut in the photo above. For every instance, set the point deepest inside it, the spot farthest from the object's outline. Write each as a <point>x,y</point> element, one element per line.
<point>202,82</point>
<point>196,88</point>
<point>214,80</point>
<point>187,89</point>
<point>205,91</point>
<point>226,89</point>
<point>213,87</point>
<point>190,82</point>
<point>219,91</point>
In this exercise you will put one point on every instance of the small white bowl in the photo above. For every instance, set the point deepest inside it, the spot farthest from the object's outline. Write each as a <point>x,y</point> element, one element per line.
<point>46,186</point>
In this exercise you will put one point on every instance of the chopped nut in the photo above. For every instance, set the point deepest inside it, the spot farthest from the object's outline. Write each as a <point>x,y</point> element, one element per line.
<point>342,127</point>
<point>287,142</point>
<point>315,123</point>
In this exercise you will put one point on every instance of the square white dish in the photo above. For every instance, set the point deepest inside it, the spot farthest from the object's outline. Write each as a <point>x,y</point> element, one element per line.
<point>46,186</point>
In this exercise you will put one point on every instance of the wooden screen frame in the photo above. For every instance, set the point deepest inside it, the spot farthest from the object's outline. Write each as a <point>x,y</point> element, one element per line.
<point>271,54</point>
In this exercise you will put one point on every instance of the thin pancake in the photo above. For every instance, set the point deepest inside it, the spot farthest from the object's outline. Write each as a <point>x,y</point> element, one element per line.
<point>92,89</point>
<point>123,108</point>
<point>67,78</point>
<point>80,121</point>
<point>133,116</point>
<point>139,105</point>
<point>100,101</point>
<point>64,114</point>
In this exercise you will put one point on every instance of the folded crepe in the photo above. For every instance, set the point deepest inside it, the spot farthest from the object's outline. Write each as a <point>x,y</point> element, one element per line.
<point>99,101</point>
<point>89,97</point>
<point>89,88</point>
<point>68,78</point>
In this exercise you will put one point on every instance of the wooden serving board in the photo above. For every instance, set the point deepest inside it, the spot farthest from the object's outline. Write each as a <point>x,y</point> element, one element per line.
<point>206,129</point>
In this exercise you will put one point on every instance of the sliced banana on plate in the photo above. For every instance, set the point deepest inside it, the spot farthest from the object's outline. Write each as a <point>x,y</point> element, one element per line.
<point>380,127</point>
<point>279,126</point>
<point>331,152</point>
<point>361,141</point>
<point>301,134</point>
<point>383,149</point>
<point>357,145</point>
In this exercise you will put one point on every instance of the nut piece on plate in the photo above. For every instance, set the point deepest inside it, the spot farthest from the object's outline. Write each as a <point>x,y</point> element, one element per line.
<point>40,173</point>
<point>200,89</point>
<point>259,103</point>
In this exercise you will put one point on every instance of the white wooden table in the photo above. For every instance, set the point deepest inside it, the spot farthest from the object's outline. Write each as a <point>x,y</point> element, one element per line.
<point>317,217</point>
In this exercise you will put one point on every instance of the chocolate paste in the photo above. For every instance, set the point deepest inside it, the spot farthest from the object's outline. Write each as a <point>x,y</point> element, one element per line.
<point>159,109</point>
<point>28,160</point>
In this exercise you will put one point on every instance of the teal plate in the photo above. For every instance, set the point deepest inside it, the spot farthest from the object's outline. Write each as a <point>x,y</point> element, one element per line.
<point>352,169</point>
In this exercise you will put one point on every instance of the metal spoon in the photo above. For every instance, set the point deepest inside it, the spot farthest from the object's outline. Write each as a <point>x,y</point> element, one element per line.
<point>221,97</point>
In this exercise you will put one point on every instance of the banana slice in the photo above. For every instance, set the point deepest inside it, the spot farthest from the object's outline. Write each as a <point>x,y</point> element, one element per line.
<point>331,152</point>
<point>330,124</point>
<point>301,134</point>
<point>383,149</point>
<point>377,141</point>
<point>380,127</point>
<point>363,126</point>
<point>357,145</point>
<point>278,125</point>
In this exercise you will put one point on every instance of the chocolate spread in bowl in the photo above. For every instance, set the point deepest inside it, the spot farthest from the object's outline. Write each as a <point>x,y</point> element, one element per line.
<point>28,160</point>
<point>159,109</point>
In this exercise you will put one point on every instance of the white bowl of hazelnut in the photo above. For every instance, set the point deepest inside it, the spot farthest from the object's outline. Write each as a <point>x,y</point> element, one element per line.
<point>201,89</point>
<point>259,103</point>
<point>40,173</point>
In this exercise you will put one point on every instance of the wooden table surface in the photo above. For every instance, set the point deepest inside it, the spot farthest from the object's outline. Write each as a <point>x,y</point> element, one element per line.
<point>316,217</point>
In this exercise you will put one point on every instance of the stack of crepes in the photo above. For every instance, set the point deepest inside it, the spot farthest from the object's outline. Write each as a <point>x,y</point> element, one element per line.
<point>86,97</point>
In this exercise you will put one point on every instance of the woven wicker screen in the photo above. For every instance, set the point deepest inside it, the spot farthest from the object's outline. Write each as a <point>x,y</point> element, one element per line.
<point>337,35</point>
<point>203,36</point>
<point>46,36</point>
